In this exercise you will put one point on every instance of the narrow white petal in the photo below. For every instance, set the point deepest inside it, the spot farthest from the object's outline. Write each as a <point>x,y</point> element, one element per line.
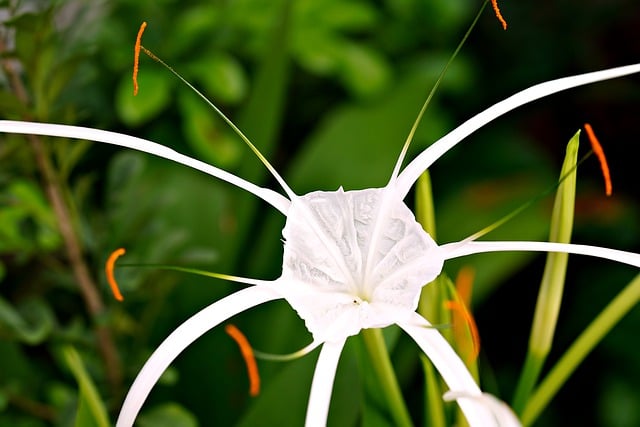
<point>453,371</point>
<point>413,170</point>
<point>322,384</point>
<point>458,249</point>
<point>275,199</point>
<point>181,338</point>
<point>503,414</point>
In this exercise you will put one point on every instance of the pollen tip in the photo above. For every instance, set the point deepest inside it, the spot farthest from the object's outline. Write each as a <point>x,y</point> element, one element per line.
<point>599,152</point>
<point>109,267</point>
<point>249,358</point>
<point>496,10</point>
<point>136,56</point>
<point>462,317</point>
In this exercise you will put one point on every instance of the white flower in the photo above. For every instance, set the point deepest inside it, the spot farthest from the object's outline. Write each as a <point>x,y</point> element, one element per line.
<point>352,260</point>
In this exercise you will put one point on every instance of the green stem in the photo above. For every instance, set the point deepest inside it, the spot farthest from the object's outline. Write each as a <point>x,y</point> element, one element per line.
<point>434,415</point>
<point>532,367</point>
<point>582,346</point>
<point>377,351</point>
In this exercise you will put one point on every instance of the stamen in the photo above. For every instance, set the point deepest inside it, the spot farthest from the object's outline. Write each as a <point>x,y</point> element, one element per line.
<point>464,283</point>
<point>599,152</point>
<point>136,57</point>
<point>109,267</point>
<point>247,354</point>
<point>496,10</point>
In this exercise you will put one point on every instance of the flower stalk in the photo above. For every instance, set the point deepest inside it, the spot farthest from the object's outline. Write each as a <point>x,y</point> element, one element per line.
<point>552,285</point>
<point>580,349</point>
<point>379,356</point>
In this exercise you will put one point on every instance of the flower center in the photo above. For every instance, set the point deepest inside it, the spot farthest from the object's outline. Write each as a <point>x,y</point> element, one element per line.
<point>356,257</point>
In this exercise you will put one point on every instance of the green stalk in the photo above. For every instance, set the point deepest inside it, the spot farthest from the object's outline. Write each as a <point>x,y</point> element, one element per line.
<point>434,415</point>
<point>377,351</point>
<point>582,346</point>
<point>545,318</point>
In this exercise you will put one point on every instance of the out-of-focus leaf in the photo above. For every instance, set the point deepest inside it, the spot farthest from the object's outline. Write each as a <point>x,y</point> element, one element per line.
<point>364,70</point>
<point>11,107</point>
<point>618,404</point>
<point>222,77</point>
<point>30,322</point>
<point>26,219</point>
<point>167,415</point>
<point>359,144</point>
<point>91,410</point>
<point>155,94</point>
<point>208,135</point>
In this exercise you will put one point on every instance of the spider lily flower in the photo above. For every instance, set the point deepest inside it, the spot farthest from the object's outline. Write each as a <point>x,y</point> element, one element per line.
<point>352,260</point>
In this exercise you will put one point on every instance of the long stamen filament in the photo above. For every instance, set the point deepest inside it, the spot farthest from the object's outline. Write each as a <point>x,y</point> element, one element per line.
<point>199,272</point>
<point>486,230</point>
<point>228,121</point>
<point>416,123</point>
<point>286,357</point>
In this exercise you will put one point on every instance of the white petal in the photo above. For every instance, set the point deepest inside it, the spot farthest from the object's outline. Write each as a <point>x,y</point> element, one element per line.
<point>413,170</point>
<point>503,414</point>
<point>181,338</point>
<point>275,199</point>
<point>458,249</point>
<point>322,384</point>
<point>453,371</point>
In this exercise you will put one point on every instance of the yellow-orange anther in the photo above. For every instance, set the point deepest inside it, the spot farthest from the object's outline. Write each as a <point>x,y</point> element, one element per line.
<point>136,57</point>
<point>249,358</point>
<point>109,266</point>
<point>496,10</point>
<point>599,152</point>
<point>461,314</point>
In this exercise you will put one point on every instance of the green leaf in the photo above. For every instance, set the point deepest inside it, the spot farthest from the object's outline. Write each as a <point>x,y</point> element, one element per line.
<point>167,415</point>
<point>208,135</point>
<point>31,322</point>
<point>154,95</point>
<point>364,71</point>
<point>91,411</point>
<point>221,76</point>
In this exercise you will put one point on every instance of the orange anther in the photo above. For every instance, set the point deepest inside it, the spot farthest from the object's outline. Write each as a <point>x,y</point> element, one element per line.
<point>496,10</point>
<point>109,266</point>
<point>461,314</point>
<point>599,152</point>
<point>136,57</point>
<point>249,358</point>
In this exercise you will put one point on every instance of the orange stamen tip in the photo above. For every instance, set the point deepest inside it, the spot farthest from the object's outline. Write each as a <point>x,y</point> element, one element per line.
<point>109,267</point>
<point>599,152</point>
<point>461,314</point>
<point>249,358</point>
<point>461,310</point>
<point>136,57</point>
<point>496,10</point>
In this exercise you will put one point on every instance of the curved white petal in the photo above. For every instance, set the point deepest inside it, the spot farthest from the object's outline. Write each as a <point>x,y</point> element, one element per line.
<point>275,199</point>
<point>322,384</point>
<point>413,170</point>
<point>504,415</point>
<point>182,337</point>
<point>453,371</point>
<point>458,249</point>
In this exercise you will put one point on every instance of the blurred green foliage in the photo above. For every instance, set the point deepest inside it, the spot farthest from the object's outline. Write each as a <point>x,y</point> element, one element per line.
<point>327,89</point>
